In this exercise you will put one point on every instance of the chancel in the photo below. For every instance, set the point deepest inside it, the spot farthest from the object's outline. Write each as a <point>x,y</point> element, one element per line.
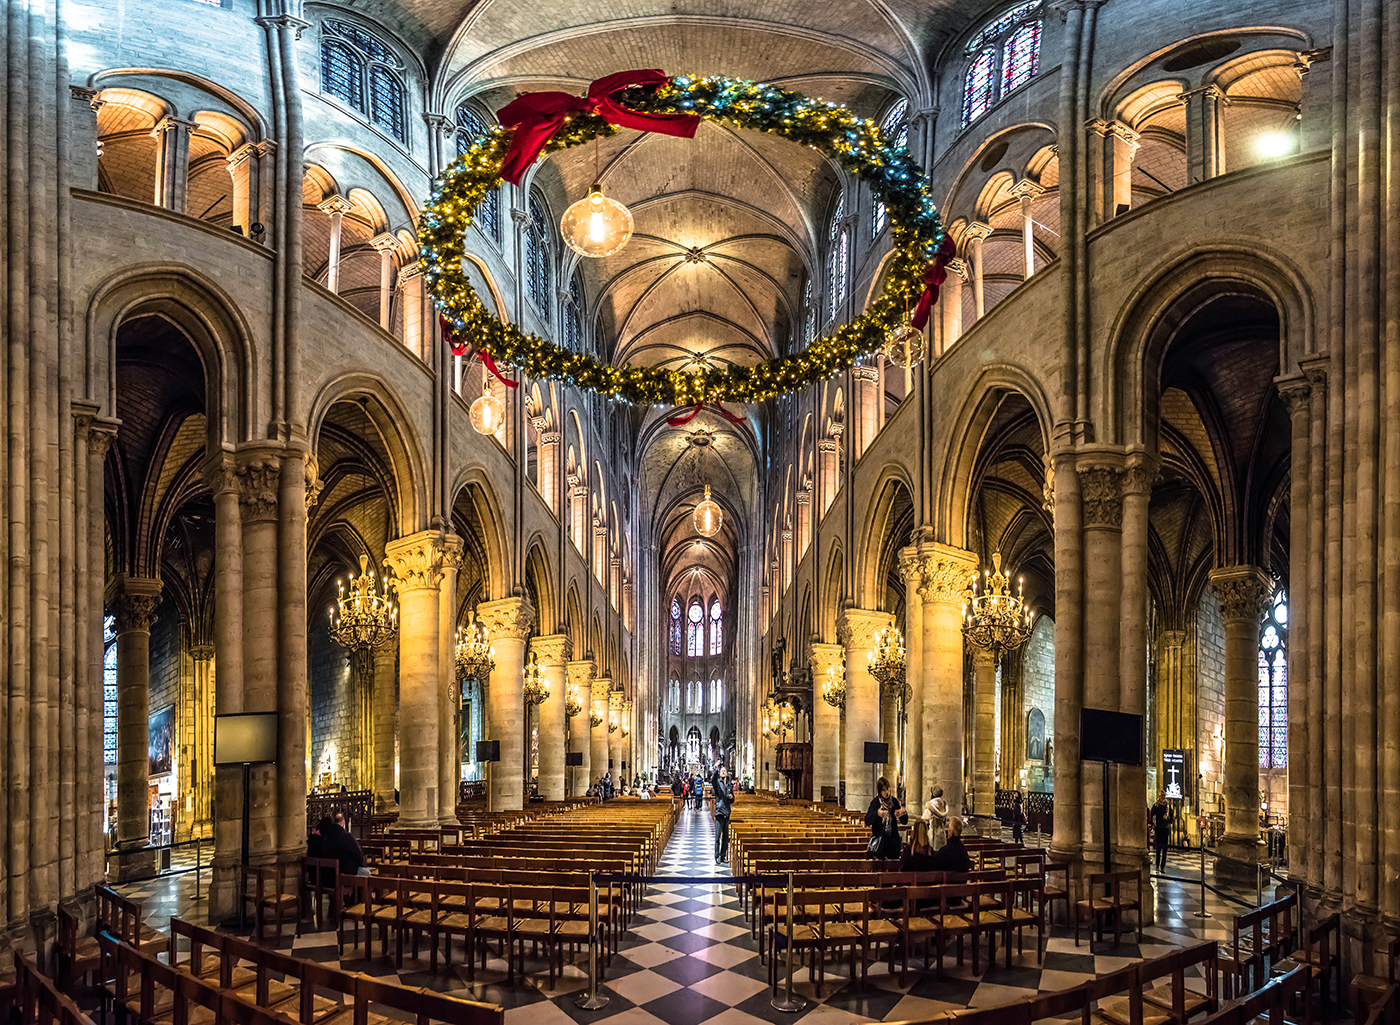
<point>582,433</point>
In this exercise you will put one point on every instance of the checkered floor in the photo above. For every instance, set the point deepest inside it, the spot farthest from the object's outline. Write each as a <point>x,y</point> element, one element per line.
<point>689,957</point>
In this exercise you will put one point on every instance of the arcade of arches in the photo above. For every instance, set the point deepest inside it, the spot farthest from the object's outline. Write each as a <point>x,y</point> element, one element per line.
<point>1162,384</point>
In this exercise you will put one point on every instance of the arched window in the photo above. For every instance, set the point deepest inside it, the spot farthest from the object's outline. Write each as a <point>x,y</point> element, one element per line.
<point>1273,685</point>
<point>840,243</point>
<point>716,695</point>
<point>537,262</point>
<point>365,74</point>
<point>673,698</point>
<point>809,306</point>
<point>109,692</point>
<point>716,628</point>
<point>675,627</point>
<point>695,630</point>
<point>573,317</point>
<point>1003,56</point>
<point>896,132</point>
<point>471,126</point>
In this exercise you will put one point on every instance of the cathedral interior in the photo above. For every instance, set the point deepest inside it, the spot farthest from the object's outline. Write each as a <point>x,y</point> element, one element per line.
<point>1120,517</point>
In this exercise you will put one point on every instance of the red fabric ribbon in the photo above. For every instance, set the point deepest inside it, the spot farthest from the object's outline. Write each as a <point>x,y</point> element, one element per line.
<point>681,419</point>
<point>459,348</point>
<point>535,117</point>
<point>934,276</point>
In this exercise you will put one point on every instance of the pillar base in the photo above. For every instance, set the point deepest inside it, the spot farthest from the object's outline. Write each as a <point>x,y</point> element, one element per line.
<point>133,863</point>
<point>984,825</point>
<point>1237,860</point>
<point>223,892</point>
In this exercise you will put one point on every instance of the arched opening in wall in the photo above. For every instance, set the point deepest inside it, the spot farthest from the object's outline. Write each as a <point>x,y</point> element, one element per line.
<point>126,144</point>
<point>346,240</point>
<point>355,516</point>
<point>1003,250</point>
<point>1157,113</point>
<point>1263,109</point>
<point>1220,504</point>
<point>209,194</point>
<point>160,534</point>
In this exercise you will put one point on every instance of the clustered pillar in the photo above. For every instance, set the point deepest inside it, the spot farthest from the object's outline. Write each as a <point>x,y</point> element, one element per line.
<point>552,653</point>
<point>857,629</point>
<point>579,677</point>
<point>509,621</point>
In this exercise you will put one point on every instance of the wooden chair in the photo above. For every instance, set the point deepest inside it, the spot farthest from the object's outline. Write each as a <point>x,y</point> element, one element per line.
<point>1056,891</point>
<point>806,909</point>
<point>1105,1002</point>
<point>1173,996</point>
<point>1111,905</point>
<point>320,880</point>
<point>266,897</point>
<point>1365,990</point>
<point>76,956</point>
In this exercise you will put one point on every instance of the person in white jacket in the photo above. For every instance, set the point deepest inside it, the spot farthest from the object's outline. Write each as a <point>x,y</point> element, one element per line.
<point>936,815</point>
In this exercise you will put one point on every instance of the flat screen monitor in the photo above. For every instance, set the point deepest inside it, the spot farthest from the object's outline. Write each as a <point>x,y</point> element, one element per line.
<point>1106,736</point>
<point>488,750</point>
<point>573,758</point>
<point>876,754</point>
<point>245,738</point>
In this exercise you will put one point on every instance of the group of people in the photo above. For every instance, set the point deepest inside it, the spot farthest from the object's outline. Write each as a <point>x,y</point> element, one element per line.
<point>935,842</point>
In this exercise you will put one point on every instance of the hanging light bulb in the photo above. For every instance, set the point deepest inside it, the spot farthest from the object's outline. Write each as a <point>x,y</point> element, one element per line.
<point>596,225</point>
<point>708,516</point>
<point>487,413</point>
<point>904,346</point>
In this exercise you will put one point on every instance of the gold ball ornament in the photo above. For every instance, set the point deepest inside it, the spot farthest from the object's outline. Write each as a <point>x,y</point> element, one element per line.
<point>596,225</point>
<point>904,346</point>
<point>488,413</point>
<point>708,516</point>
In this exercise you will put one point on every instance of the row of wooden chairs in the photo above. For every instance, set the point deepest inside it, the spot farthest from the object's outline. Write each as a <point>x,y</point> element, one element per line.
<point>77,954</point>
<point>32,998</point>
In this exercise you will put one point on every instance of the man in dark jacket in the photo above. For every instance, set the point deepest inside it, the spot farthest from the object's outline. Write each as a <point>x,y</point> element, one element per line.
<point>723,789</point>
<point>333,841</point>
<point>953,856</point>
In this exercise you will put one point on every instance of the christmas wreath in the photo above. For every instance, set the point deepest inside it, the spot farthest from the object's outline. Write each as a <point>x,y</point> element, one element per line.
<point>649,101</point>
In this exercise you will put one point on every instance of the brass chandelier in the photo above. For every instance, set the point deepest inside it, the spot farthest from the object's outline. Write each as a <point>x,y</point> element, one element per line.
<point>475,656</point>
<point>834,687</point>
<point>364,616</point>
<point>572,705</point>
<point>887,663</point>
<point>994,618</point>
<point>536,686</point>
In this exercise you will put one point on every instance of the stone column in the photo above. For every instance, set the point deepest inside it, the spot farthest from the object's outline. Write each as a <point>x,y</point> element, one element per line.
<point>579,678</point>
<point>827,463</point>
<point>599,744</point>
<point>984,704</point>
<point>614,581</point>
<point>1012,730</point>
<point>200,772</point>
<point>336,207</point>
<point>417,562</point>
<point>549,467</point>
<point>578,512</point>
<point>1111,146</point>
<point>857,629</point>
<point>410,286</point>
<point>387,246</point>
<point>1130,827</point>
<point>1067,842</point>
<point>974,235</point>
<point>1205,141</point>
<point>293,697</point>
<point>950,304</point>
<point>827,659</point>
<point>1244,593</point>
<point>133,603</point>
<point>615,700</point>
<point>804,518</point>
<point>259,475</point>
<point>947,571</point>
<point>386,726</point>
<point>865,383</point>
<point>247,167</point>
<point>911,568</point>
<point>1170,711</point>
<point>552,652</point>
<point>172,135</point>
<point>629,740</point>
<point>508,621</point>
<point>449,696</point>
<point>1103,582</point>
<point>1026,191</point>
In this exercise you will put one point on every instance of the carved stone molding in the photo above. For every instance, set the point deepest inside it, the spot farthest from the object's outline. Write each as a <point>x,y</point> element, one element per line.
<point>947,573</point>
<point>202,652</point>
<point>1242,591</point>
<point>510,618</point>
<point>552,649</point>
<point>1296,393</point>
<point>1167,639</point>
<point>856,628</point>
<point>616,699</point>
<point>824,657</point>
<point>911,567</point>
<point>418,561</point>
<point>133,603</point>
<point>1137,480</point>
<point>601,686</point>
<point>258,480</point>
<point>1100,490</point>
<point>580,674</point>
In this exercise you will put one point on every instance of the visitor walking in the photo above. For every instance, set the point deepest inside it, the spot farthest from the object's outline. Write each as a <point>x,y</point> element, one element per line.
<point>1018,819</point>
<point>723,789</point>
<point>1162,815</point>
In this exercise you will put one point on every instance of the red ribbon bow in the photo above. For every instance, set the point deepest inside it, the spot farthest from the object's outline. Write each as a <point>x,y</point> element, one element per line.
<point>681,419</point>
<point>537,116</point>
<point>459,348</point>
<point>934,277</point>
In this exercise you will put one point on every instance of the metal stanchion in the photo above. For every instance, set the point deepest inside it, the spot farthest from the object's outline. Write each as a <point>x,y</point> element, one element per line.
<point>592,999</point>
<point>196,869</point>
<point>789,1002</point>
<point>1203,913</point>
<point>1259,885</point>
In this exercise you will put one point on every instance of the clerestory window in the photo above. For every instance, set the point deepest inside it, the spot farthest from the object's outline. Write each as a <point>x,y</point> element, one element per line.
<point>1002,57</point>
<point>365,74</point>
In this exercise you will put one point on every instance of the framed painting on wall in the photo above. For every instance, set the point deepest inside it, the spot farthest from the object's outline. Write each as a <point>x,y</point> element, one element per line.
<point>161,745</point>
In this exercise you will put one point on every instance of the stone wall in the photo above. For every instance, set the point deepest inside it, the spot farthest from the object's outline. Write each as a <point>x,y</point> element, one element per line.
<point>1204,661</point>
<point>332,708</point>
<point>1038,691</point>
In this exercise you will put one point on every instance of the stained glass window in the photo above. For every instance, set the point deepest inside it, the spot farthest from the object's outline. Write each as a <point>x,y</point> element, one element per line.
<point>896,130</point>
<point>1004,56</point>
<point>537,265</point>
<point>471,126</point>
<point>716,629</point>
<point>695,631</point>
<point>810,306</point>
<point>109,693</point>
<point>1273,685</point>
<point>1021,57</point>
<point>978,91</point>
<point>839,248</point>
<point>363,73</point>
<point>675,627</point>
<point>716,695</point>
<point>573,317</point>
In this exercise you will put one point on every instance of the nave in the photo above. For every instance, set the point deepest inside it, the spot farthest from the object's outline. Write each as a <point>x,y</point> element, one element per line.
<point>689,957</point>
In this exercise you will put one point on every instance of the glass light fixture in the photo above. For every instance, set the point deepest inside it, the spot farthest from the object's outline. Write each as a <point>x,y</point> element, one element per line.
<point>708,516</point>
<point>595,720</point>
<point>536,686</point>
<point>834,687</point>
<point>887,662</point>
<point>995,618</point>
<point>487,412</point>
<point>572,705</point>
<point>612,721</point>
<point>596,226</point>
<point>475,656</point>
<point>904,346</point>
<point>364,617</point>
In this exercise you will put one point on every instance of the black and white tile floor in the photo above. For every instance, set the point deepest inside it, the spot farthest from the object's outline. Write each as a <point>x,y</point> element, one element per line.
<point>689,958</point>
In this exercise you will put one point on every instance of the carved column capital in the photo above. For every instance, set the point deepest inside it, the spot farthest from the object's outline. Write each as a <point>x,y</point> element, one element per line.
<point>824,657</point>
<point>911,566</point>
<point>1168,639</point>
<point>133,602</point>
<point>1296,392</point>
<point>1315,370</point>
<point>857,628</point>
<point>1137,479</point>
<point>1243,592</point>
<point>335,205</point>
<point>202,652</point>
<point>384,243</point>
<point>1027,189</point>
<point>601,686</point>
<point>419,560</point>
<point>976,232</point>
<point>169,123</point>
<point>508,617</point>
<point>552,649</point>
<point>259,476</point>
<point>1102,494</point>
<point>580,674</point>
<point>947,573</point>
